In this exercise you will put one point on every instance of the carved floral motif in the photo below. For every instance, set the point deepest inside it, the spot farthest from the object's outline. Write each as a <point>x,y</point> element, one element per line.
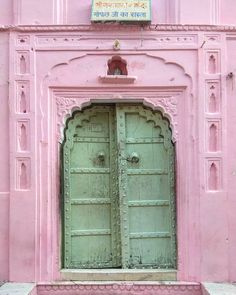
<point>169,104</point>
<point>66,106</point>
<point>168,107</point>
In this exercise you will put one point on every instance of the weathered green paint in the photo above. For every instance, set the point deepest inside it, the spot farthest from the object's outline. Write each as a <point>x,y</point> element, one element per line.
<point>119,208</point>
<point>91,221</point>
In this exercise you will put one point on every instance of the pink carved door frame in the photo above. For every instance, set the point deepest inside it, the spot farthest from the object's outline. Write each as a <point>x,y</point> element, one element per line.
<point>171,103</point>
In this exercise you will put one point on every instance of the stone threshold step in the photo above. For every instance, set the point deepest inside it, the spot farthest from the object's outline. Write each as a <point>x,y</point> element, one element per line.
<point>18,289</point>
<point>119,275</point>
<point>119,288</point>
<point>218,289</point>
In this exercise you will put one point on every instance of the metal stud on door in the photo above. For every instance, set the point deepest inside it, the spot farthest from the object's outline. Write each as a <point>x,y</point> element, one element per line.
<point>146,182</point>
<point>118,183</point>
<point>90,219</point>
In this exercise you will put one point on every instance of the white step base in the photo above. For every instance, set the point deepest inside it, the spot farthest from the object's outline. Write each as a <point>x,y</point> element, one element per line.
<point>218,289</point>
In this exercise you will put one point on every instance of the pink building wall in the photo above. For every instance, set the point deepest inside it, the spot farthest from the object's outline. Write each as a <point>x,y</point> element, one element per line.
<point>4,159</point>
<point>171,61</point>
<point>74,12</point>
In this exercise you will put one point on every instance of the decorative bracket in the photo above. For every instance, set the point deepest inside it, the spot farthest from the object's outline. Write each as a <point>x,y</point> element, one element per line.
<point>65,108</point>
<point>168,106</point>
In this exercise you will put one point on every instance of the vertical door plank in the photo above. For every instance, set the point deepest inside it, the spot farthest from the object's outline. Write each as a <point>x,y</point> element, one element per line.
<point>123,198</point>
<point>149,178</point>
<point>90,236</point>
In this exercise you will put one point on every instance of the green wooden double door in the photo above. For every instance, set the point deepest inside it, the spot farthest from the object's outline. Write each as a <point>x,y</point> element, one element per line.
<point>118,189</point>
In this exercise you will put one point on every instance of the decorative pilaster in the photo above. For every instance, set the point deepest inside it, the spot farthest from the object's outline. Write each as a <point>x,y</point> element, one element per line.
<point>23,195</point>
<point>212,118</point>
<point>21,114</point>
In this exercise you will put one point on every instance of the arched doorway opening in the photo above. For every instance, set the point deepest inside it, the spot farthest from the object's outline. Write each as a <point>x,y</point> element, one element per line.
<point>118,189</point>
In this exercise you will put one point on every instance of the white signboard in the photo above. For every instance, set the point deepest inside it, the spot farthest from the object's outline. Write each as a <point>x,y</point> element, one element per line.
<point>121,10</point>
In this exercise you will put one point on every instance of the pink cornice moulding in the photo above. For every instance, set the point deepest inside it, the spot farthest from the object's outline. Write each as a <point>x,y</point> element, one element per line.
<point>112,27</point>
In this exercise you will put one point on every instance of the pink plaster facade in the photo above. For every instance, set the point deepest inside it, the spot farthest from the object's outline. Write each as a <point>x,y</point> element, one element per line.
<point>51,62</point>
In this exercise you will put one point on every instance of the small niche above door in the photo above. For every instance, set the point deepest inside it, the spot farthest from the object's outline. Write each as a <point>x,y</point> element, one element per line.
<point>117,72</point>
<point>117,66</point>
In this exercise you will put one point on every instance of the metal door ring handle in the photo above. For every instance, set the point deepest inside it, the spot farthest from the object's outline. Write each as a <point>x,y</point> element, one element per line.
<point>101,156</point>
<point>133,158</point>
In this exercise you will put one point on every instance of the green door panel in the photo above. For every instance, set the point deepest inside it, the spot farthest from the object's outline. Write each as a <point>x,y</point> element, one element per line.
<point>90,220</point>
<point>147,189</point>
<point>118,180</point>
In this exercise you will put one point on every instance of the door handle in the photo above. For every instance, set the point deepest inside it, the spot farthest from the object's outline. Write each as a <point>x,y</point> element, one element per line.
<point>133,158</point>
<point>101,156</point>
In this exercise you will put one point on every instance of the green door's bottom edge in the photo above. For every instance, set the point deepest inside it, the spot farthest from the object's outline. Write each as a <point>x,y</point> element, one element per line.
<point>119,275</point>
